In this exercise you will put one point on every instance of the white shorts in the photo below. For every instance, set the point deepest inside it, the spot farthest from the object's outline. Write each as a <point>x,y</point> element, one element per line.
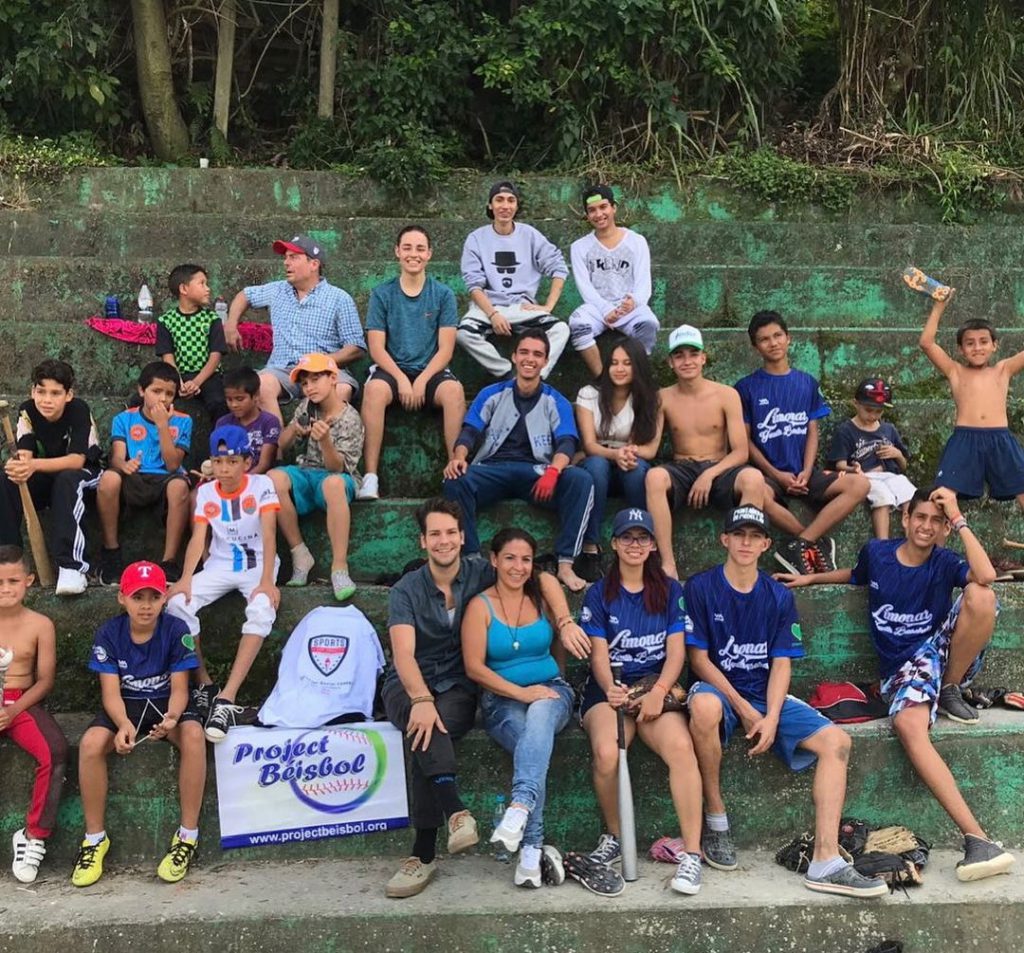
<point>888,489</point>
<point>211,584</point>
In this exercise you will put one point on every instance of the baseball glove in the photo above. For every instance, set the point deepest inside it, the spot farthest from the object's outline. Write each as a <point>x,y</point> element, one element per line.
<point>675,697</point>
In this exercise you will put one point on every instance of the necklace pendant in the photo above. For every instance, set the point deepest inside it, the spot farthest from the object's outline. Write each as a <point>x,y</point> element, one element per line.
<point>515,645</point>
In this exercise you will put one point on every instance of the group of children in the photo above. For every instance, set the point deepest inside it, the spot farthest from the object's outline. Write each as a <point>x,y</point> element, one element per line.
<point>146,657</point>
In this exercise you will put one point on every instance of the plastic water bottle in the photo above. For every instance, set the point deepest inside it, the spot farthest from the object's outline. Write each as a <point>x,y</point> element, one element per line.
<point>111,307</point>
<point>500,854</point>
<point>145,303</point>
<point>221,307</point>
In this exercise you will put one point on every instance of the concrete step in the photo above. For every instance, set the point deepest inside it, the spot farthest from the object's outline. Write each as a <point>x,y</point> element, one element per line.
<point>260,192</point>
<point>65,289</point>
<point>769,805</point>
<point>834,621</point>
<point>323,906</point>
<point>149,233</point>
<point>838,357</point>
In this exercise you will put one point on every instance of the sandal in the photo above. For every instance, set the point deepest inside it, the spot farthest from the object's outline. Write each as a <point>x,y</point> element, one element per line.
<point>667,850</point>
<point>596,877</point>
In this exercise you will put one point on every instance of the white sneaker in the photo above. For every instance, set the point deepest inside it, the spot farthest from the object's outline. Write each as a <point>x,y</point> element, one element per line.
<point>28,854</point>
<point>528,876</point>
<point>70,582</point>
<point>509,833</point>
<point>370,488</point>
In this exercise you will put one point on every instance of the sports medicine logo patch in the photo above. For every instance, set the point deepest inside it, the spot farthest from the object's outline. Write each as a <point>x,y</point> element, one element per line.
<point>137,432</point>
<point>249,505</point>
<point>211,510</point>
<point>327,652</point>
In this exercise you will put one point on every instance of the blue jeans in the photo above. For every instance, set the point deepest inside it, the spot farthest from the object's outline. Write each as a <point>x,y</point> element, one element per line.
<point>528,732</point>
<point>607,477</point>
<point>485,484</point>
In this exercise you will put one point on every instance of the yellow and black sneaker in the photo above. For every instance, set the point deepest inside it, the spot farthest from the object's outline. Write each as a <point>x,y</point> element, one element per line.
<point>175,865</point>
<point>89,863</point>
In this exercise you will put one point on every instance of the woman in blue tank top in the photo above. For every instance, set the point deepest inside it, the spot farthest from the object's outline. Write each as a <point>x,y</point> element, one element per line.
<point>507,644</point>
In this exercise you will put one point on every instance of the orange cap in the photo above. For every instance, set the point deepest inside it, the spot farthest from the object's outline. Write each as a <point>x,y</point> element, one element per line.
<point>315,363</point>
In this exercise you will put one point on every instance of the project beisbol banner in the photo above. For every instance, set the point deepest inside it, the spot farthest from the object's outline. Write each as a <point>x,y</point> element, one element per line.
<point>288,785</point>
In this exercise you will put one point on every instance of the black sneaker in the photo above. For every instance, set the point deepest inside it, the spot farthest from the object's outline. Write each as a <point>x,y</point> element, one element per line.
<point>718,849</point>
<point>608,851</point>
<point>953,706</point>
<point>825,553</point>
<point>797,556</point>
<point>111,565</point>
<point>588,566</point>
<point>223,716</point>
<point>171,570</point>
<point>202,699</point>
<point>982,858</point>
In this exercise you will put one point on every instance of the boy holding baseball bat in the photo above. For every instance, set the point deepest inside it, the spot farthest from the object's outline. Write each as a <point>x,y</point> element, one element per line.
<point>57,458</point>
<point>28,662</point>
<point>742,636</point>
<point>143,658</point>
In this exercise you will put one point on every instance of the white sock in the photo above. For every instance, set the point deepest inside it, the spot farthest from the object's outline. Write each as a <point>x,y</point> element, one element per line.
<point>191,834</point>
<point>302,557</point>
<point>529,857</point>
<point>822,868</point>
<point>93,839</point>
<point>717,822</point>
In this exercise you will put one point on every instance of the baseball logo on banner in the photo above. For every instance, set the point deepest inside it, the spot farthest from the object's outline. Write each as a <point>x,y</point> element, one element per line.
<point>281,785</point>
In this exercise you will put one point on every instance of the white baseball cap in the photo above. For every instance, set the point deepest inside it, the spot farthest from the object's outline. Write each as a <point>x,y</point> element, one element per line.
<point>685,336</point>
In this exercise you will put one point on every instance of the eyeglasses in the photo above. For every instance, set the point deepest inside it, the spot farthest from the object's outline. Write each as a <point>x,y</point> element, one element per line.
<point>636,539</point>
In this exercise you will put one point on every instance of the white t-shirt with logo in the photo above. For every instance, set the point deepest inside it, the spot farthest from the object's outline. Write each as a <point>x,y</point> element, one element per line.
<point>329,668</point>
<point>236,535</point>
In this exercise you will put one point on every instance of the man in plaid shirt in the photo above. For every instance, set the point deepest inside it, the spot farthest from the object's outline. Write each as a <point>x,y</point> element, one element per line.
<point>308,314</point>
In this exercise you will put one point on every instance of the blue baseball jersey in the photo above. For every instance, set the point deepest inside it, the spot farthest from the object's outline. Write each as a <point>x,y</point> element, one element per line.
<point>140,435</point>
<point>635,637</point>
<point>907,603</point>
<point>742,631</point>
<point>144,667</point>
<point>853,445</point>
<point>778,409</point>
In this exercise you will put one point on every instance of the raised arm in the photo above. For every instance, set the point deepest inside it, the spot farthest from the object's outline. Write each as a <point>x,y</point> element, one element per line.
<point>927,342</point>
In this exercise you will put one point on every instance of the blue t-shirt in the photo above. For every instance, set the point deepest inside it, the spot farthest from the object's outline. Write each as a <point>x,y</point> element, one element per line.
<point>742,631</point>
<point>778,408</point>
<point>635,637</point>
<point>144,668</point>
<point>854,445</point>
<point>907,603</point>
<point>140,435</point>
<point>411,323</point>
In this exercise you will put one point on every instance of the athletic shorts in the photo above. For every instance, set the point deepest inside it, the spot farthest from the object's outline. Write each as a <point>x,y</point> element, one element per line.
<point>974,456</point>
<point>591,694</point>
<point>918,680</point>
<point>308,487</point>
<point>379,374</point>
<point>797,722</point>
<point>141,491</point>
<point>888,489</point>
<point>817,486</point>
<point>291,391</point>
<point>145,714</point>
<point>684,473</point>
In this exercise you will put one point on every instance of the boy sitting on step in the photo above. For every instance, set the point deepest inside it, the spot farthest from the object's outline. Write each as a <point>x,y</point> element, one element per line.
<point>143,658</point>
<point>28,663</point>
<point>240,511</point>
<point>981,449</point>
<point>929,645</point>
<point>190,337</point>
<point>326,476</point>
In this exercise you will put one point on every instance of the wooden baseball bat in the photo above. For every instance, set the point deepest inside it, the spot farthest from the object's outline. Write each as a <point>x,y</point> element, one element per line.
<point>40,555</point>
<point>627,819</point>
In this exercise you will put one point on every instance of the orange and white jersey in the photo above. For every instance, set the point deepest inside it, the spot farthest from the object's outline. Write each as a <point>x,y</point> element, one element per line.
<point>236,535</point>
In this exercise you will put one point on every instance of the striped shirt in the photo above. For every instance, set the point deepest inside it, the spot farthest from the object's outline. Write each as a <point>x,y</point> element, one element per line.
<point>325,320</point>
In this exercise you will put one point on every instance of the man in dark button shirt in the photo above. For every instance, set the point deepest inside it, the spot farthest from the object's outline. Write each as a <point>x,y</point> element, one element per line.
<point>427,693</point>
<point>527,435</point>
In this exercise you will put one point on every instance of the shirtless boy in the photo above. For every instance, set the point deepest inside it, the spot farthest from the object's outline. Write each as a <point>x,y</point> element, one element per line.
<point>709,445</point>
<point>28,646</point>
<point>981,448</point>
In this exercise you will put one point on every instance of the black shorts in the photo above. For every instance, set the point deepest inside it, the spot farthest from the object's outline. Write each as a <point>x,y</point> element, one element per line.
<point>379,374</point>
<point>143,490</point>
<point>817,486</point>
<point>684,473</point>
<point>144,716</point>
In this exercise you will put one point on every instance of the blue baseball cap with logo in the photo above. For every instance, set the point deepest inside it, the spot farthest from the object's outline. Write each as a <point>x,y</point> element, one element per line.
<point>742,516</point>
<point>229,441</point>
<point>632,519</point>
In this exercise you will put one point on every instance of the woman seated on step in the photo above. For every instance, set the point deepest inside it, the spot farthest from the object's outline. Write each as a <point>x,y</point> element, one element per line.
<point>619,419</point>
<point>635,617</point>
<point>509,647</point>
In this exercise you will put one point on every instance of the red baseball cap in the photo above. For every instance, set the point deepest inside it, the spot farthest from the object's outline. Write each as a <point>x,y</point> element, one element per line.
<point>301,245</point>
<point>143,575</point>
